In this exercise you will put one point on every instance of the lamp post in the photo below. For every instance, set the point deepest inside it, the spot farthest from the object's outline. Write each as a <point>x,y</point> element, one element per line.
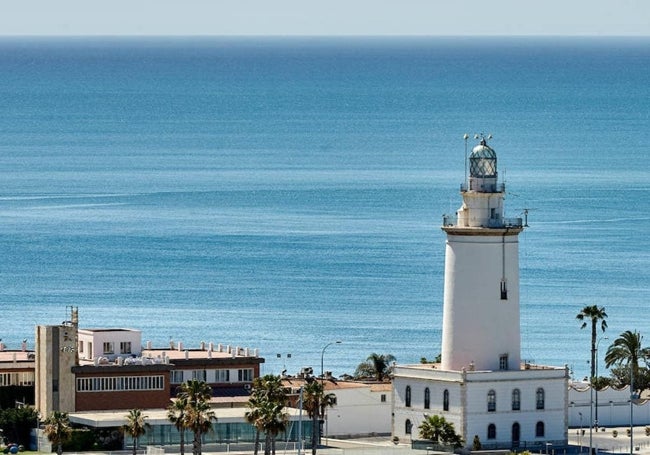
<point>596,416</point>
<point>300,422</point>
<point>632,396</point>
<point>322,356</point>
<point>322,372</point>
<point>591,413</point>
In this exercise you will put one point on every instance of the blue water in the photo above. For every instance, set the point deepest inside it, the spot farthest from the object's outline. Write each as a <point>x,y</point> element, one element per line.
<point>286,193</point>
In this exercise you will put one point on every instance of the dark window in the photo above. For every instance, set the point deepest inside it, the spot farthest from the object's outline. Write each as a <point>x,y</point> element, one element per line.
<point>516,400</point>
<point>408,396</point>
<point>492,431</point>
<point>427,398</point>
<point>445,400</point>
<point>539,430</point>
<point>503,362</point>
<point>515,434</point>
<point>539,395</point>
<point>408,426</point>
<point>492,401</point>
<point>383,398</point>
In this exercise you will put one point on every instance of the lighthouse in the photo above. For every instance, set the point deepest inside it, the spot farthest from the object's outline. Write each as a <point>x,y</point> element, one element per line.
<point>481,385</point>
<point>481,290</point>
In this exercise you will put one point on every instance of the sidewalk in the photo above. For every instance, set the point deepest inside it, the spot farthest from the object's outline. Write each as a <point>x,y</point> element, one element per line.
<point>606,442</point>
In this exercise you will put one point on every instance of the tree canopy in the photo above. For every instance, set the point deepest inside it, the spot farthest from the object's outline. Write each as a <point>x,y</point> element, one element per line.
<point>378,366</point>
<point>135,426</point>
<point>58,430</point>
<point>267,410</point>
<point>436,429</point>
<point>198,415</point>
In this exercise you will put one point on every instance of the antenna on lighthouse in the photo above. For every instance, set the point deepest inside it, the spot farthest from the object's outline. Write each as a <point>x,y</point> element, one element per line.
<point>465,136</point>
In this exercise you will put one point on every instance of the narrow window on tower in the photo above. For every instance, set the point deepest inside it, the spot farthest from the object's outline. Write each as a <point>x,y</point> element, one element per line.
<point>504,290</point>
<point>503,362</point>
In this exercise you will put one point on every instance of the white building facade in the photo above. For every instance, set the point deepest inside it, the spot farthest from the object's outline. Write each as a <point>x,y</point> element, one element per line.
<point>360,410</point>
<point>480,385</point>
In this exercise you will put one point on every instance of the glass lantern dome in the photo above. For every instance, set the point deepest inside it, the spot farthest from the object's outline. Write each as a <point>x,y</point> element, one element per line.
<point>483,161</point>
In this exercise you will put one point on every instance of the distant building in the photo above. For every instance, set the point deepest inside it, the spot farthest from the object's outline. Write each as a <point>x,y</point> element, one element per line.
<point>481,385</point>
<point>80,370</point>
<point>360,409</point>
<point>16,376</point>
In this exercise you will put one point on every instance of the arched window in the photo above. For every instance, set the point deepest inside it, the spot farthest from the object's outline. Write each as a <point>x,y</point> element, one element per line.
<point>492,431</point>
<point>408,426</point>
<point>427,398</point>
<point>539,430</point>
<point>539,395</point>
<point>492,401</point>
<point>445,400</point>
<point>516,400</point>
<point>408,396</point>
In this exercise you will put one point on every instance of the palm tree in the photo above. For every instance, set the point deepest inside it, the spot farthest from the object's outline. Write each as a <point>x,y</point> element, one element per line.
<point>135,426</point>
<point>198,413</point>
<point>275,422</point>
<point>315,402</point>
<point>437,430</point>
<point>57,429</point>
<point>256,418</point>
<point>432,428</point>
<point>199,419</point>
<point>377,365</point>
<point>176,415</point>
<point>267,402</point>
<point>593,314</point>
<point>626,351</point>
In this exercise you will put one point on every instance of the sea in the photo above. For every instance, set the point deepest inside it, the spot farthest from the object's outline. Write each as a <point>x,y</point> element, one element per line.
<point>284,194</point>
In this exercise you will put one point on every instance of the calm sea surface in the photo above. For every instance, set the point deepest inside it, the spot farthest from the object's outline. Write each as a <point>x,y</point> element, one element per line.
<point>281,194</point>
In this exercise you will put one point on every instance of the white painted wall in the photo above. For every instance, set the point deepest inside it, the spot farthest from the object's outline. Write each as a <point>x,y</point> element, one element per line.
<point>478,327</point>
<point>359,411</point>
<point>468,402</point>
<point>91,342</point>
<point>613,407</point>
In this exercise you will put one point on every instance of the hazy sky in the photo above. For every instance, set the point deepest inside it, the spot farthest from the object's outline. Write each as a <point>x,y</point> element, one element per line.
<point>325,17</point>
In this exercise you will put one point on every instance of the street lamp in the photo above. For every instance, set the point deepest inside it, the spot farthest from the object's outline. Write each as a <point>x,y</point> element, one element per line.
<point>632,397</point>
<point>322,356</point>
<point>596,417</point>
<point>322,372</point>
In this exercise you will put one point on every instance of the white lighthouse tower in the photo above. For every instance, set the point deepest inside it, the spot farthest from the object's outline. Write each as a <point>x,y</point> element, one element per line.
<point>481,294</point>
<point>481,386</point>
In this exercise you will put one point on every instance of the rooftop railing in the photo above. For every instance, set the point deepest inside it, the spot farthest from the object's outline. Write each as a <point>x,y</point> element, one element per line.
<point>452,220</point>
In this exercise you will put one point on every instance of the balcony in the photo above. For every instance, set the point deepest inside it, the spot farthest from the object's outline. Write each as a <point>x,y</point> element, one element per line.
<point>452,220</point>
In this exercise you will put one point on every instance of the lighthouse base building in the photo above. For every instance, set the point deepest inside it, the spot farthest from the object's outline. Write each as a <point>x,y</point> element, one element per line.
<point>515,409</point>
<point>481,385</point>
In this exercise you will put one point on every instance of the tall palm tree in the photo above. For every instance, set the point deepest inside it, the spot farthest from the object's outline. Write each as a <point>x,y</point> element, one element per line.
<point>276,422</point>
<point>256,418</point>
<point>590,315</point>
<point>315,402</point>
<point>57,429</point>
<point>267,402</point>
<point>176,415</point>
<point>135,426</point>
<point>377,365</point>
<point>199,416</point>
<point>627,351</point>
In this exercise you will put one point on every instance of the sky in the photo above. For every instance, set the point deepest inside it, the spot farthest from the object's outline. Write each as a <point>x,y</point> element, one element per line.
<point>325,17</point>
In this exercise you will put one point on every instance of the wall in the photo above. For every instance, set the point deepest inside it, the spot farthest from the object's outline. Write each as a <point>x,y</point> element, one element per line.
<point>613,407</point>
<point>359,411</point>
